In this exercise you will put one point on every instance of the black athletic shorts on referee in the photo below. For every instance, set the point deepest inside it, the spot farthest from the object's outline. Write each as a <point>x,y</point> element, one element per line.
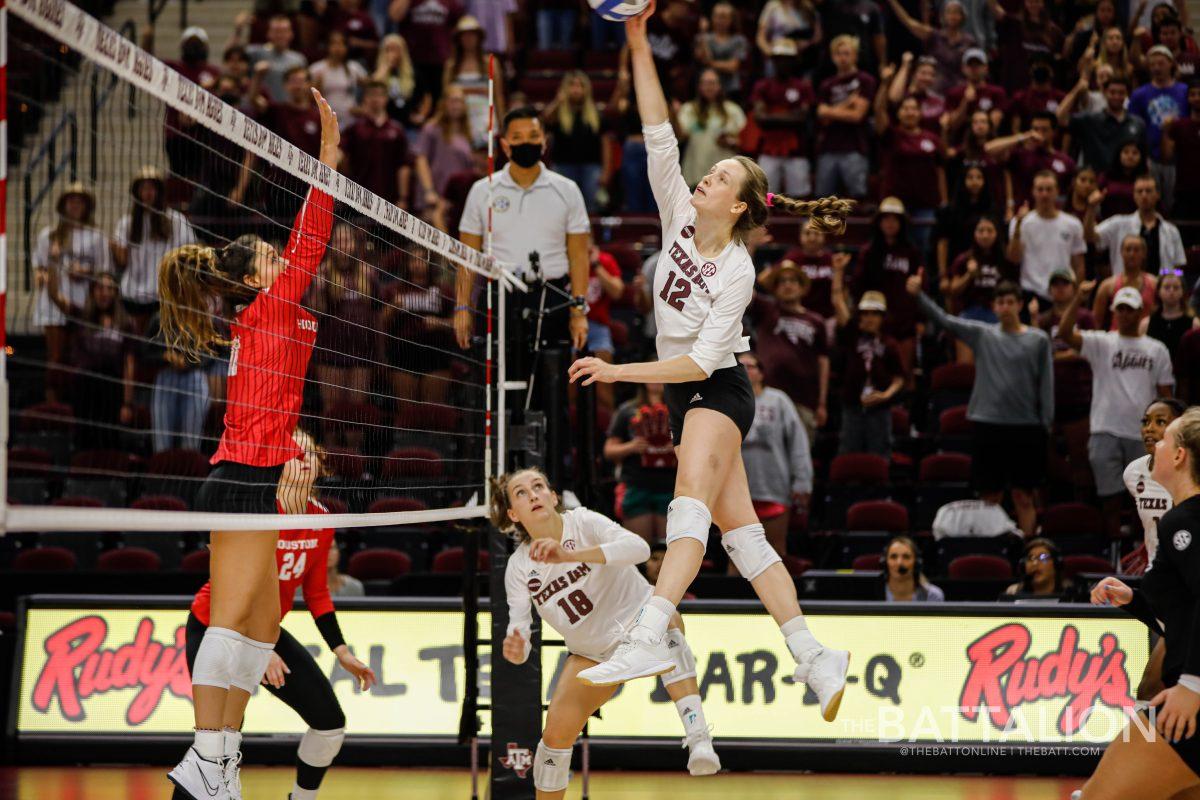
<point>240,489</point>
<point>727,390</point>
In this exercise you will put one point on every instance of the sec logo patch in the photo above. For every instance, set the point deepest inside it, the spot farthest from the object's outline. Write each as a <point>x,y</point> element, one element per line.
<point>569,544</point>
<point>708,270</point>
<point>534,585</point>
<point>1181,540</point>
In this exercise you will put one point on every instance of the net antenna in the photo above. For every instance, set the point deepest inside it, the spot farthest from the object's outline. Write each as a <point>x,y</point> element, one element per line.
<point>164,101</point>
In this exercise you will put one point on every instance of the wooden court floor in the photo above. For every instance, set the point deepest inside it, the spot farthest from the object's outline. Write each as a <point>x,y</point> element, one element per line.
<point>273,783</point>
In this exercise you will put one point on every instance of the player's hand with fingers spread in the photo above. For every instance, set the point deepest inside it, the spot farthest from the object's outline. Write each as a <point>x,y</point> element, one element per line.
<point>364,675</point>
<point>1111,591</point>
<point>331,135</point>
<point>276,669</point>
<point>592,370</point>
<point>548,551</point>
<point>1177,715</point>
<point>635,27</point>
<point>514,648</point>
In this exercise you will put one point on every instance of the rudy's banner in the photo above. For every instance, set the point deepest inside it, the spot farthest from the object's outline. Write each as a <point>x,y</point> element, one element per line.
<point>936,675</point>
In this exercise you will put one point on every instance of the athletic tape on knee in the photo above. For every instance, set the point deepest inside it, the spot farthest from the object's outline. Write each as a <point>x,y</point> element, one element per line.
<point>749,550</point>
<point>681,654</point>
<point>250,664</point>
<point>319,748</point>
<point>688,518</point>
<point>551,768</point>
<point>216,657</point>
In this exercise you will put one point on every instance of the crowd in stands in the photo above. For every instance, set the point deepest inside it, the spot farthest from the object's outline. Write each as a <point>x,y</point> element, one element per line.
<point>1020,166</point>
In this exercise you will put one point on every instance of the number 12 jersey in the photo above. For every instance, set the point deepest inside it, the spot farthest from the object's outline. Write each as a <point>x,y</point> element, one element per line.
<point>698,302</point>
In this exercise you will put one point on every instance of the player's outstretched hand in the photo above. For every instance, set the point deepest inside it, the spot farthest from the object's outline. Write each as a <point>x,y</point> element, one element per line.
<point>514,648</point>
<point>592,370</point>
<point>331,136</point>
<point>637,25</point>
<point>364,675</point>
<point>276,669</point>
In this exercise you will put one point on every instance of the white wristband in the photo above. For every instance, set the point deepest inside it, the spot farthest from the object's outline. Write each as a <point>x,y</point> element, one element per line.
<point>1190,682</point>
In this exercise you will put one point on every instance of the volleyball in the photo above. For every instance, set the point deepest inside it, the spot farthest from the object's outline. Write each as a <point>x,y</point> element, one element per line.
<point>618,10</point>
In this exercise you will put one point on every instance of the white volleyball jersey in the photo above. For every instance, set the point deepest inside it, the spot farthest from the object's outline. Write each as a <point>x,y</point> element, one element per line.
<point>1151,498</point>
<point>698,302</point>
<point>583,602</point>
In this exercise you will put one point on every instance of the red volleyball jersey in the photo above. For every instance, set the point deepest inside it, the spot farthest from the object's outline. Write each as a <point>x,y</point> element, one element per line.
<point>271,343</point>
<point>303,558</point>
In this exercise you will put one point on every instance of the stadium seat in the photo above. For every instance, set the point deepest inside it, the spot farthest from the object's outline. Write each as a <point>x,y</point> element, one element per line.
<point>345,463</point>
<point>1074,565</point>
<point>866,562</point>
<point>45,559</point>
<point>178,472</point>
<point>334,505</point>
<point>453,559</point>
<point>941,478</point>
<point>552,61</point>
<point>46,417</point>
<point>1070,520</point>
<point>877,515</point>
<point>946,549</point>
<point>954,430</point>
<point>853,477</point>
<point>796,566</point>
<point>159,502</point>
<point>539,90</point>
<point>945,468</point>
<point>30,470</point>
<point>129,559</point>
<point>78,501</point>
<point>979,567</point>
<point>379,564</point>
<point>412,462</point>
<point>601,61</point>
<point>196,561</point>
<point>949,386</point>
<point>392,505</point>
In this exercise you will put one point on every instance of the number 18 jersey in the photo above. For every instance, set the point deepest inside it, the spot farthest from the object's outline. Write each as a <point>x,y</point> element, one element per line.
<point>583,602</point>
<point>698,302</point>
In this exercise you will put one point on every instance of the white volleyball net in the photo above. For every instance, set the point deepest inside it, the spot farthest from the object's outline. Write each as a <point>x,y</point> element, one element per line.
<point>116,159</point>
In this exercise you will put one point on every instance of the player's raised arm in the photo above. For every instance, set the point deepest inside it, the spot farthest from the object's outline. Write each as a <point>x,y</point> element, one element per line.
<point>651,102</point>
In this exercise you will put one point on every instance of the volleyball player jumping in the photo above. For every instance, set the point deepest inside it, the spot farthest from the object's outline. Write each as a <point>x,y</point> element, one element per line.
<point>293,676</point>
<point>1159,756</point>
<point>703,283</point>
<point>269,348</point>
<point>577,568</point>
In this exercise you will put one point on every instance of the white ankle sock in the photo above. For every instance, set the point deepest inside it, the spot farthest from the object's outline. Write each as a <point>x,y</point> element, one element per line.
<point>800,641</point>
<point>653,619</point>
<point>210,744</point>
<point>232,742</point>
<point>692,714</point>
<point>303,794</point>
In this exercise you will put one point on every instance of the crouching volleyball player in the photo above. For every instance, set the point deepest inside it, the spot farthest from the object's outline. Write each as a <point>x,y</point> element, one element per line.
<point>577,568</point>
<point>293,675</point>
<point>703,282</point>
<point>271,341</point>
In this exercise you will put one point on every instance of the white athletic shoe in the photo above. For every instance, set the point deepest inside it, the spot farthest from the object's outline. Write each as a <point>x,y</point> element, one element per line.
<point>825,674</point>
<point>702,759</point>
<point>634,658</point>
<point>232,770</point>
<point>199,778</point>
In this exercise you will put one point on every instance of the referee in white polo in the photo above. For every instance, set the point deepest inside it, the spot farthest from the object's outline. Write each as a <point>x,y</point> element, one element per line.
<point>534,210</point>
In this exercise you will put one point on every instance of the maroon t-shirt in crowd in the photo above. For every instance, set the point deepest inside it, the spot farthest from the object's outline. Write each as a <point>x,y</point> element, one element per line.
<point>1185,132</point>
<point>783,97</point>
<point>819,269</point>
<point>789,345</point>
<point>933,105</point>
<point>981,291</point>
<point>843,137</point>
<point>429,30</point>
<point>988,97</point>
<point>1018,44</point>
<point>376,153</point>
<point>866,358</point>
<point>888,272</point>
<point>1030,101</point>
<point>203,75</point>
<point>1118,194</point>
<point>993,170</point>
<point>299,125</point>
<point>910,161</point>
<point>1025,162</point>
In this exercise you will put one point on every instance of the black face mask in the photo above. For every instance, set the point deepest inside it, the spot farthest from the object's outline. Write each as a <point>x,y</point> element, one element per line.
<point>525,155</point>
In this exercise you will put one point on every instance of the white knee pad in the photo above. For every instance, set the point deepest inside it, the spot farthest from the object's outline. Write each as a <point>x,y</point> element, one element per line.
<point>551,768</point>
<point>749,550</point>
<point>216,657</point>
<point>681,654</point>
<point>688,519</point>
<point>250,664</point>
<point>319,748</point>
